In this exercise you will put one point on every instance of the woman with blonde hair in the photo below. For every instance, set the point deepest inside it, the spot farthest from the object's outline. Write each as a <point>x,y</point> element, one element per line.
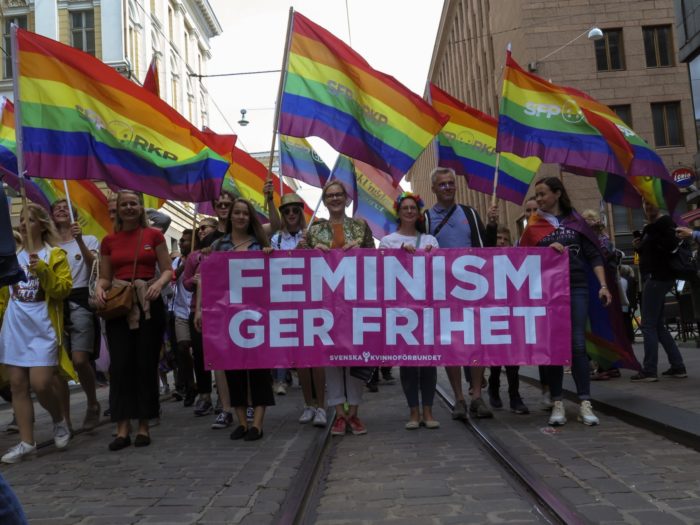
<point>129,254</point>
<point>31,333</point>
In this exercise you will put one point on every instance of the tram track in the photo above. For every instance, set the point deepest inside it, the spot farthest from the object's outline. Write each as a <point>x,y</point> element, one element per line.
<point>550,506</point>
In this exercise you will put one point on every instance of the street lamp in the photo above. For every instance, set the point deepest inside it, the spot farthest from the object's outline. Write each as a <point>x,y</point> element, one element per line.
<point>594,33</point>
<point>244,121</point>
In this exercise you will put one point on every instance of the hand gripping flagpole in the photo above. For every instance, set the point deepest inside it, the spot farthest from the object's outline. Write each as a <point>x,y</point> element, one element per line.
<point>280,90</point>
<point>18,131</point>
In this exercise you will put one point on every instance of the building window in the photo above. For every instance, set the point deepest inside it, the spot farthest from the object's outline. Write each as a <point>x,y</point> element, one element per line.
<point>658,46</point>
<point>625,221</point>
<point>20,21</point>
<point>170,23</point>
<point>186,47</point>
<point>82,26</point>
<point>668,131</point>
<point>624,111</point>
<point>609,52</point>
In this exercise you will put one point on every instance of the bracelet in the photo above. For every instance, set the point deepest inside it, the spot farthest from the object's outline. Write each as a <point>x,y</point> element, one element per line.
<point>603,286</point>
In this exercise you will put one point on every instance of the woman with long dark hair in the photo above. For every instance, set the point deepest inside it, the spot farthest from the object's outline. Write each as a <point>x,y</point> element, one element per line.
<point>134,250</point>
<point>569,232</point>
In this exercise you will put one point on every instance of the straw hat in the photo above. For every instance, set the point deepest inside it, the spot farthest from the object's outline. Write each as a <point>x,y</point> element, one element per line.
<point>291,198</point>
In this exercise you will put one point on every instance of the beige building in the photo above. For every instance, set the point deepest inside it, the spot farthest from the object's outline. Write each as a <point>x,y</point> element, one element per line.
<point>126,34</point>
<point>634,69</point>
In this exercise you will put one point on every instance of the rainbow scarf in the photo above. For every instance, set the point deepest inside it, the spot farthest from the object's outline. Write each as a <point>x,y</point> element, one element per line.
<point>331,92</point>
<point>83,120</point>
<point>540,119</point>
<point>467,144</point>
<point>298,160</point>
<point>606,342</point>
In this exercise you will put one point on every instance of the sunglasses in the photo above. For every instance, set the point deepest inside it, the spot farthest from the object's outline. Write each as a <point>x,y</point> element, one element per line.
<point>222,205</point>
<point>331,196</point>
<point>291,210</point>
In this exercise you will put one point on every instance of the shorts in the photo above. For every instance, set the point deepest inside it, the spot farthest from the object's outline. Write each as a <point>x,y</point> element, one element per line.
<point>182,330</point>
<point>81,331</point>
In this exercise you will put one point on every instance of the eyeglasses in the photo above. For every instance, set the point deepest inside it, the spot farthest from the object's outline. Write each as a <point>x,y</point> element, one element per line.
<point>331,196</point>
<point>291,210</point>
<point>222,205</point>
<point>446,185</point>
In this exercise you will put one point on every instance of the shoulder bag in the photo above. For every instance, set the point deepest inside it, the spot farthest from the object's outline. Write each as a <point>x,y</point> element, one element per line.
<point>120,298</point>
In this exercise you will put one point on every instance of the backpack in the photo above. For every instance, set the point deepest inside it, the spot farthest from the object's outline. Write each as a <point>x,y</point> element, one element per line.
<point>683,263</point>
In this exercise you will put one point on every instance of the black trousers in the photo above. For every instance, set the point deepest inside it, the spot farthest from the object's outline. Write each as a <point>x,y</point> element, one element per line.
<point>511,374</point>
<point>201,376</point>
<point>133,369</point>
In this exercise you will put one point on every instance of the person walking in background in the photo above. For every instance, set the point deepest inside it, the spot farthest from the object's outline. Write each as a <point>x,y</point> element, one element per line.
<point>134,251</point>
<point>410,236</point>
<point>568,231</point>
<point>31,342</point>
<point>181,301</point>
<point>340,232</point>
<point>654,246</point>
<point>517,405</point>
<point>82,328</point>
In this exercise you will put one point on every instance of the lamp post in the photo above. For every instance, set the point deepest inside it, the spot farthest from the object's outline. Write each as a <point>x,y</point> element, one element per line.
<point>594,33</point>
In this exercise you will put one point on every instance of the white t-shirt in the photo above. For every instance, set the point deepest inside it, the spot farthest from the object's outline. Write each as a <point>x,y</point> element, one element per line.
<point>283,240</point>
<point>395,240</point>
<point>27,337</point>
<point>78,269</point>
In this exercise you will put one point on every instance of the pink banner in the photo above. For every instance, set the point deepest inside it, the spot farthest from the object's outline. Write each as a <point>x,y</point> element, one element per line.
<point>303,308</point>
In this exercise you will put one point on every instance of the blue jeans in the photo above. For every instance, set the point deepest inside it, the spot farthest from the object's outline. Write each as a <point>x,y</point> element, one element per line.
<point>580,368</point>
<point>654,329</point>
<point>279,375</point>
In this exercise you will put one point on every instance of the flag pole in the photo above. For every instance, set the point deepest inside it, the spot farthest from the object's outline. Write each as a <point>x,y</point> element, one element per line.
<point>280,90</point>
<point>70,206</point>
<point>194,227</point>
<point>18,130</point>
<point>495,180</point>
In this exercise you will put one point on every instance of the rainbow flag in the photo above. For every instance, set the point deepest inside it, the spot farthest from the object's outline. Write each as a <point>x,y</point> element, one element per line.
<point>646,173</point>
<point>83,120</point>
<point>467,144</point>
<point>375,199</point>
<point>540,119</point>
<point>152,80</point>
<point>344,172</point>
<point>298,160</point>
<point>331,92</point>
<point>617,190</point>
<point>537,228</point>
<point>245,178</point>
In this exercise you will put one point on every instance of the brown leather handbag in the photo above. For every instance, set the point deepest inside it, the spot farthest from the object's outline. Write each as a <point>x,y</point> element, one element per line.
<point>120,298</point>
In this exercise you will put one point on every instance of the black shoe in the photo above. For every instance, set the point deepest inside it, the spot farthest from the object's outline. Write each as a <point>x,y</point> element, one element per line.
<point>142,440</point>
<point>189,399</point>
<point>517,405</point>
<point>641,377</point>
<point>120,443</point>
<point>372,387</point>
<point>679,372</point>
<point>178,395</point>
<point>239,432</point>
<point>107,412</point>
<point>253,434</point>
<point>495,400</point>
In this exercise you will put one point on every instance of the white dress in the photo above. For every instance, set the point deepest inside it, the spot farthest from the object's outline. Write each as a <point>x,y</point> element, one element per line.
<point>27,337</point>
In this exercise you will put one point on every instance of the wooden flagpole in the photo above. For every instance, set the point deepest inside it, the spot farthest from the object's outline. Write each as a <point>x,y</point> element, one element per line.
<point>70,205</point>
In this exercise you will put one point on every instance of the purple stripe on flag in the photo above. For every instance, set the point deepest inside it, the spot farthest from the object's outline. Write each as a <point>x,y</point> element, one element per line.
<point>33,191</point>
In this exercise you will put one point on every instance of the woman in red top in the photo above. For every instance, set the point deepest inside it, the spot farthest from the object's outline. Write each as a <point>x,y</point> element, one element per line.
<point>134,340</point>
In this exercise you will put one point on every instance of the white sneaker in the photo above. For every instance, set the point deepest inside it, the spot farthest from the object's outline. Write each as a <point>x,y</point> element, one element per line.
<point>546,402</point>
<point>586,415</point>
<point>61,434</point>
<point>281,389</point>
<point>558,416</point>
<point>16,453</point>
<point>307,415</point>
<point>320,419</point>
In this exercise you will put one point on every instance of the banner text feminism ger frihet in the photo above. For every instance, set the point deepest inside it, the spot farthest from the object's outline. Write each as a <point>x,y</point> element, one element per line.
<point>304,308</point>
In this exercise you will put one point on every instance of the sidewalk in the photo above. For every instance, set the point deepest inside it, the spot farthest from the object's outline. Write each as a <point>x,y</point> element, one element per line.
<point>672,403</point>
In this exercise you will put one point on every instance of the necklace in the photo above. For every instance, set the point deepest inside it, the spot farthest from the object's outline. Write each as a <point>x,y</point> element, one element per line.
<point>237,245</point>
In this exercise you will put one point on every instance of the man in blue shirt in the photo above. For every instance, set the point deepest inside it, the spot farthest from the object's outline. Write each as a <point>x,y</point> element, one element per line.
<point>458,226</point>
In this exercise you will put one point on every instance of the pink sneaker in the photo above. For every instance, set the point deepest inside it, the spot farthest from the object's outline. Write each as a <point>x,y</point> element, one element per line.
<point>340,426</point>
<point>356,426</point>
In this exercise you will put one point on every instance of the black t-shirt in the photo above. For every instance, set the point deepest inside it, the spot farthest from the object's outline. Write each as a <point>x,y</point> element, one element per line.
<point>658,241</point>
